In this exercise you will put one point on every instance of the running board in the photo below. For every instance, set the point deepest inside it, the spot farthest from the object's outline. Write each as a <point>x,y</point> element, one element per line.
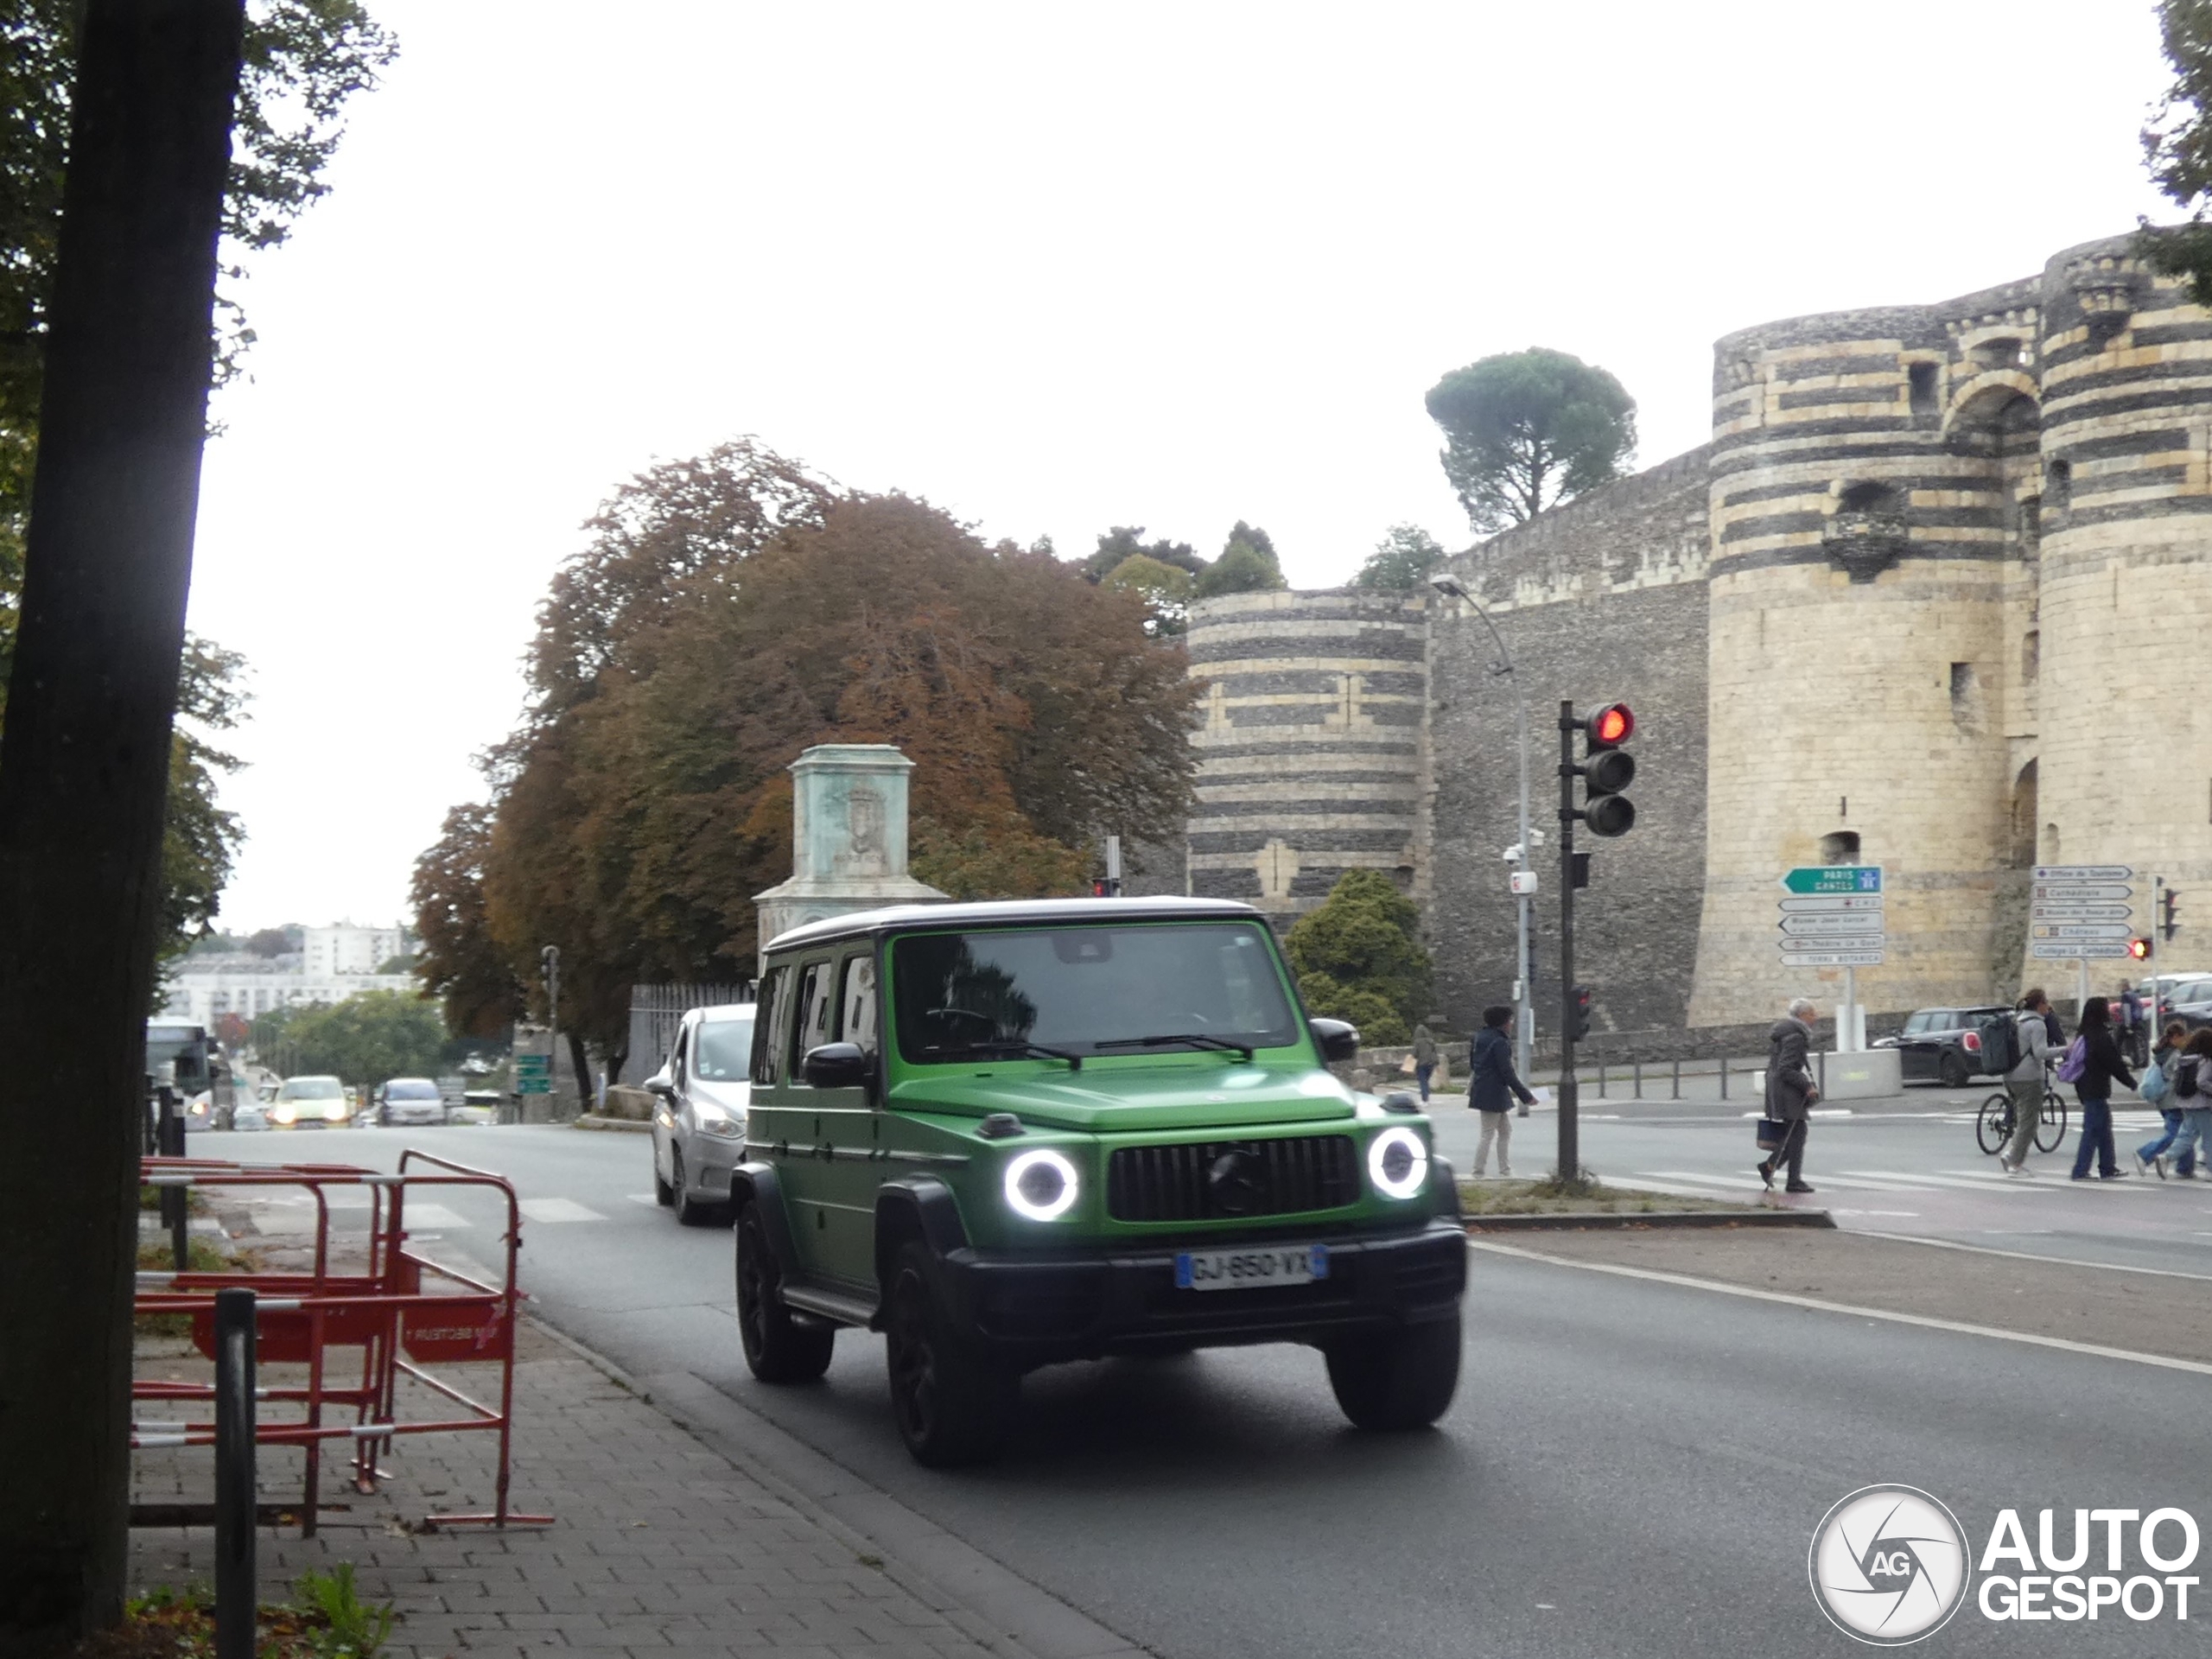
<point>840,1305</point>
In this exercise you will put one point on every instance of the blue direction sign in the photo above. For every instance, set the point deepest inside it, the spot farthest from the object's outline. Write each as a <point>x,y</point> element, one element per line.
<point>1834,878</point>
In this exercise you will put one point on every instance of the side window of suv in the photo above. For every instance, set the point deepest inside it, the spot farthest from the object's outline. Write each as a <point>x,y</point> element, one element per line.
<point>770,1000</point>
<point>817,1005</point>
<point>857,999</point>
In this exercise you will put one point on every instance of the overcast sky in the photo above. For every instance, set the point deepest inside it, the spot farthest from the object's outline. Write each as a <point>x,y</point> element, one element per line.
<point>1055,268</point>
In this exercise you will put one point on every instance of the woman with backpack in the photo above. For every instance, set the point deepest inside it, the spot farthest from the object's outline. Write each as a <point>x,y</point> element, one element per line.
<point>2157,1089</point>
<point>2195,1062</point>
<point>2093,1065</point>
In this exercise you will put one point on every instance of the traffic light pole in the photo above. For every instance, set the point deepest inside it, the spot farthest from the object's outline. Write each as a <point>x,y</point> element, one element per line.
<point>1570,1148</point>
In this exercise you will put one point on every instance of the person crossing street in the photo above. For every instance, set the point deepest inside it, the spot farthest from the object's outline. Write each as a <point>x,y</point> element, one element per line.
<point>1492,1084</point>
<point>2099,1066</point>
<point>2025,1082</point>
<point>1790,1092</point>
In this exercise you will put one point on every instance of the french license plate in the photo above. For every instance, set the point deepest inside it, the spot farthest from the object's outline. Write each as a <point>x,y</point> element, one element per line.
<point>1251,1269</point>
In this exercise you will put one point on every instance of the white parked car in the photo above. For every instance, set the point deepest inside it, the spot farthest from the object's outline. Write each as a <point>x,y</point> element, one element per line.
<point>410,1100</point>
<point>700,1100</point>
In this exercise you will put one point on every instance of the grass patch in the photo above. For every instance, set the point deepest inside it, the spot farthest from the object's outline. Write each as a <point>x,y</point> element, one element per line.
<point>327,1620</point>
<point>1590,1196</point>
<point>201,1255</point>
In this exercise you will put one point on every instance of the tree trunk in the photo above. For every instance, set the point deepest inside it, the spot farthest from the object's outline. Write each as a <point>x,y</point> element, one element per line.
<point>84,772</point>
<point>579,1060</point>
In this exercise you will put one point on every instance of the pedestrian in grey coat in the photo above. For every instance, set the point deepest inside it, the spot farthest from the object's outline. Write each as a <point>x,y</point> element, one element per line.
<point>1789,1090</point>
<point>1491,1085</point>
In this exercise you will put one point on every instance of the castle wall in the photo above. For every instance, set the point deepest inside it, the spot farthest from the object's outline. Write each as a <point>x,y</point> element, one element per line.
<point>1312,753</point>
<point>1601,600</point>
<point>2125,774</point>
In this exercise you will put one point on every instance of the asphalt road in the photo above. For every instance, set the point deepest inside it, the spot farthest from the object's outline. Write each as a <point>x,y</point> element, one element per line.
<point>1630,1467</point>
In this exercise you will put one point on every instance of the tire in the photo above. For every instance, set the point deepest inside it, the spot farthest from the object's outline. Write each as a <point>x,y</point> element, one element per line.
<point>689,1211</point>
<point>2051,1129</point>
<point>952,1405</point>
<point>1992,1124</point>
<point>664,1194</point>
<point>1398,1380</point>
<point>1951,1069</point>
<point>778,1348</point>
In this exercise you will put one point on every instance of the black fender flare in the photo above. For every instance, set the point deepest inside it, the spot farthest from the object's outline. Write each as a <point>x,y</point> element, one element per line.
<point>1446,1181</point>
<point>756,1185</point>
<point>917,1206</point>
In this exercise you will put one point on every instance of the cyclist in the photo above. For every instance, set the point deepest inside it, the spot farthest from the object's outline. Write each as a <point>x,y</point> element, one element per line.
<point>2025,1082</point>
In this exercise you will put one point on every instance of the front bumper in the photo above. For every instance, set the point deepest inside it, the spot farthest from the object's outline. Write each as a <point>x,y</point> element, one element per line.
<point>1027,1310</point>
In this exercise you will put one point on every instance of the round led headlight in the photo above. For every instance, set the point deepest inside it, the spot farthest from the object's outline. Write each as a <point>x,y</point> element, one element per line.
<point>1397,1163</point>
<point>1040,1185</point>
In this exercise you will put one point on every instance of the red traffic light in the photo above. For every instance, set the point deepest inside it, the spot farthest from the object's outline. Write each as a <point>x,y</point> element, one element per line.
<point>2139,948</point>
<point>1612,726</point>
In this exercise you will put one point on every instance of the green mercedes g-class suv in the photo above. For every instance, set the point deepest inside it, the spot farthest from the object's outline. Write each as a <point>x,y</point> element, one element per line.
<point>1009,1134</point>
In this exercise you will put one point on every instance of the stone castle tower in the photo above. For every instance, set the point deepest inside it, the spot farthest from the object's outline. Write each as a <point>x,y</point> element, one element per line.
<point>1931,599</point>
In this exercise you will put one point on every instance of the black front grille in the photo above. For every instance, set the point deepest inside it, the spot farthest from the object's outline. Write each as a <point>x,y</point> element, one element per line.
<point>1229,1180</point>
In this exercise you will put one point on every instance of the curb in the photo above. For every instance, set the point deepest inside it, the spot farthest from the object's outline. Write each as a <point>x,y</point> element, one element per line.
<point>993,1607</point>
<point>628,1126</point>
<point>1663,1218</point>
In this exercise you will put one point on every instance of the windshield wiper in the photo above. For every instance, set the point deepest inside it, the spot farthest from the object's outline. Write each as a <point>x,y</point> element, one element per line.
<point>1196,1039</point>
<point>1015,1045</point>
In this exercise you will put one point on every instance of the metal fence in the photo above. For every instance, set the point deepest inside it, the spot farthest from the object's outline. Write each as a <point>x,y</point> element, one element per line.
<point>655,1012</point>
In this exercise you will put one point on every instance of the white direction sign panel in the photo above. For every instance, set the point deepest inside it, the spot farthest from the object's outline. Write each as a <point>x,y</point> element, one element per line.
<point>1820,903</point>
<point>2070,912</point>
<point>2083,872</point>
<point>2080,931</point>
<point>2088,950</point>
<point>1817,958</point>
<point>2050,893</point>
<point>1860,925</point>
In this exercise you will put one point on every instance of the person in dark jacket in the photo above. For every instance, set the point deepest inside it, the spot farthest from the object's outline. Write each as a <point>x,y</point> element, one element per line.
<point>2101,1067</point>
<point>2167,1057</point>
<point>1492,1086</point>
<point>1789,1090</point>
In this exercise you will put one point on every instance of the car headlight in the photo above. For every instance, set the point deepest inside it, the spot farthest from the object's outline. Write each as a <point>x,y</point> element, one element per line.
<point>1397,1163</point>
<point>715,1120</point>
<point>1041,1184</point>
<point>284,1114</point>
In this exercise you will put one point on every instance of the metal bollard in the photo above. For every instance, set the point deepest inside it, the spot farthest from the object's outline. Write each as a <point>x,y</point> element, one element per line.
<point>1638,1095</point>
<point>237,1494</point>
<point>1724,1077</point>
<point>1820,1066</point>
<point>1678,1079</point>
<point>169,1141</point>
<point>1601,1080</point>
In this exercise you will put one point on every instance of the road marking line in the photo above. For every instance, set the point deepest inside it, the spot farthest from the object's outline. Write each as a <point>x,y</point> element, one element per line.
<point>1991,1182</point>
<point>2031,1255</point>
<point>420,1214</point>
<point>1711,1180</point>
<point>2121,1182</point>
<point>553,1209</point>
<point>1678,1189</point>
<point>2095,1349</point>
<point>641,1197</point>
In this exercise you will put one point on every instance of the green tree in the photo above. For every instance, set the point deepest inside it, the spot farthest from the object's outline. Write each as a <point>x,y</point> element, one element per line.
<point>1127,542</point>
<point>200,841</point>
<point>1257,539</point>
<point>2177,144</point>
<point>274,941</point>
<point>1359,958</point>
<point>1241,568</point>
<point>364,1039</point>
<point>1165,589</point>
<point>1526,431</point>
<point>1402,561</point>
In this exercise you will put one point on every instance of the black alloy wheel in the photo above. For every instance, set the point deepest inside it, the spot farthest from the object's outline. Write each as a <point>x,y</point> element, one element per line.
<point>778,1348</point>
<point>690,1212</point>
<point>952,1406</point>
<point>1951,1071</point>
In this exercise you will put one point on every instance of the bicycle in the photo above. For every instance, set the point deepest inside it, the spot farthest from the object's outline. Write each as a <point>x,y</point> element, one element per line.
<point>1994,1123</point>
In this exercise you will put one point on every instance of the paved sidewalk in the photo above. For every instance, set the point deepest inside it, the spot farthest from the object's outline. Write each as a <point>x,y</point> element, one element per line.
<point>662,1541</point>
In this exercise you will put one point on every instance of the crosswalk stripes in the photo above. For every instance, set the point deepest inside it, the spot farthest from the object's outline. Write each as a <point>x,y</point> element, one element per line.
<point>558,1210</point>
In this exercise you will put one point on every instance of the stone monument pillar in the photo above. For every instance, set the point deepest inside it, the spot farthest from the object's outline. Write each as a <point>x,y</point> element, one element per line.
<point>848,837</point>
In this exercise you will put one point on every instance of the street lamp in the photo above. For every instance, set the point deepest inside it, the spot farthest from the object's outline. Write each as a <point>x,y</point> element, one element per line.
<point>1524,1021</point>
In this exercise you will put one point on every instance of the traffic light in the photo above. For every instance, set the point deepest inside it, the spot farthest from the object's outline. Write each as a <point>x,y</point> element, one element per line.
<point>2139,948</point>
<point>1607,769</point>
<point>2168,903</point>
<point>1581,1012</point>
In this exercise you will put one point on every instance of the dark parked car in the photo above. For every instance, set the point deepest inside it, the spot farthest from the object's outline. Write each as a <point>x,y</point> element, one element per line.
<point>2186,997</point>
<point>1945,1045</point>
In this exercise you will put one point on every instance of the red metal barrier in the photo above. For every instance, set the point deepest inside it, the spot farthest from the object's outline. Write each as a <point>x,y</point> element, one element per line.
<point>399,1327</point>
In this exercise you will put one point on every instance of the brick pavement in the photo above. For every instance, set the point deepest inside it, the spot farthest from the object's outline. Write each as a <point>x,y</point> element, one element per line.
<point>661,1541</point>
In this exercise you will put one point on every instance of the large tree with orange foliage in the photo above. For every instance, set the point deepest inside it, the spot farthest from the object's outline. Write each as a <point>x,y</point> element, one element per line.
<point>681,669</point>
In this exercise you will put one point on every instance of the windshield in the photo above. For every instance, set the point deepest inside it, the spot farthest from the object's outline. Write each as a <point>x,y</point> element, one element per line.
<point>1081,989</point>
<point>725,1051</point>
<point>311,1088</point>
<point>408,1089</point>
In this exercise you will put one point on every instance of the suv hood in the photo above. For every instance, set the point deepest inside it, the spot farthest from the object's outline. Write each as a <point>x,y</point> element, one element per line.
<point>1106,1099</point>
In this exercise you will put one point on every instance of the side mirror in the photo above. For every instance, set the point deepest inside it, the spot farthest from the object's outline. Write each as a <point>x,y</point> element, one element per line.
<point>1338,1039</point>
<point>835,1066</point>
<point>659,1085</point>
